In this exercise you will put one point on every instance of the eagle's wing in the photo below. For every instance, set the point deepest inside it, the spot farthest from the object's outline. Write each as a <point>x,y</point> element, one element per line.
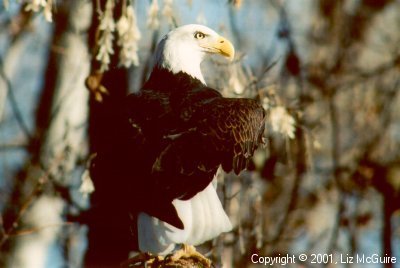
<point>179,143</point>
<point>233,129</point>
<point>220,131</point>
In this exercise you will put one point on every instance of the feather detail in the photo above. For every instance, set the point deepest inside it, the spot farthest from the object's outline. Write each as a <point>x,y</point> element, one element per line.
<point>203,218</point>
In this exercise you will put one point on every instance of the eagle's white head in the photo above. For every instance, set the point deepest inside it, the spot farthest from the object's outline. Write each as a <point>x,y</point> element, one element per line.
<point>184,48</point>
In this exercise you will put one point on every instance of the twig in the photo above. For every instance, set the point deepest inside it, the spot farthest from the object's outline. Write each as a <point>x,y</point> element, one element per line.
<point>335,168</point>
<point>13,102</point>
<point>300,137</point>
<point>2,230</point>
<point>37,229</point>
<point>42,180</point>
<point>361,76</point>
<point>6,235</point>
<point>11,146</point>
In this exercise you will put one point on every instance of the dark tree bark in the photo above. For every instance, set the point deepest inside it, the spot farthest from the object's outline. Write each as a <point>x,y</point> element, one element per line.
<point>108,219</point>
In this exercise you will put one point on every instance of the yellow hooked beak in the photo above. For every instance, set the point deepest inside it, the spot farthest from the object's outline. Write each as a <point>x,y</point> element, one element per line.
<point>222,46</point>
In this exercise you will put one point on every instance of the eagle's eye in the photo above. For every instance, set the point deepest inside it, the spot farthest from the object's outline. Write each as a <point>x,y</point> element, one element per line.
<point>199,35</point>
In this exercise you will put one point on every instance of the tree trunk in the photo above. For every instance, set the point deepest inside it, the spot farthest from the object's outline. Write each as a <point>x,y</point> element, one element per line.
<point>61,143</point>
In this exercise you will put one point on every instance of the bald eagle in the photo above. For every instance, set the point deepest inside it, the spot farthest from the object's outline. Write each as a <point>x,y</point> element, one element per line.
<point>177,133</point>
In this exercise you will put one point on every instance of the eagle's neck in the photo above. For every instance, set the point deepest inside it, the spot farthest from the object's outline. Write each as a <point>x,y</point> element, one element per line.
<point>177,57</point>
<point>162,79</point>
<point>184,66</point>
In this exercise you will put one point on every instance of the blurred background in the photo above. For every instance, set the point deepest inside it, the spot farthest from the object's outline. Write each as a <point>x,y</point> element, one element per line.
<point>327,72</point>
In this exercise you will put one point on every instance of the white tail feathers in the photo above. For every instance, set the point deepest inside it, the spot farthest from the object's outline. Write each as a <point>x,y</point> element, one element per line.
<point>203,217</point>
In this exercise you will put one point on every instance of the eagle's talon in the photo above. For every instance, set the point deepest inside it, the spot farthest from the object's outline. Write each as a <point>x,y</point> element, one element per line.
<point>190,252</point>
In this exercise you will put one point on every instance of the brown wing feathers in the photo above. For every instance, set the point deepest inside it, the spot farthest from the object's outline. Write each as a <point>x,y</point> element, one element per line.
<point>185,135</point>
<point>234,126</point>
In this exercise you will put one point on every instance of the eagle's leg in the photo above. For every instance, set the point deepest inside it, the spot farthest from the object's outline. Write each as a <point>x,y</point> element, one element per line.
<point>190,252</point>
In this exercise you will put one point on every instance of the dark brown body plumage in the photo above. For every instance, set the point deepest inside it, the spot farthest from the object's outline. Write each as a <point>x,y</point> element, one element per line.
<point>178,133</point>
